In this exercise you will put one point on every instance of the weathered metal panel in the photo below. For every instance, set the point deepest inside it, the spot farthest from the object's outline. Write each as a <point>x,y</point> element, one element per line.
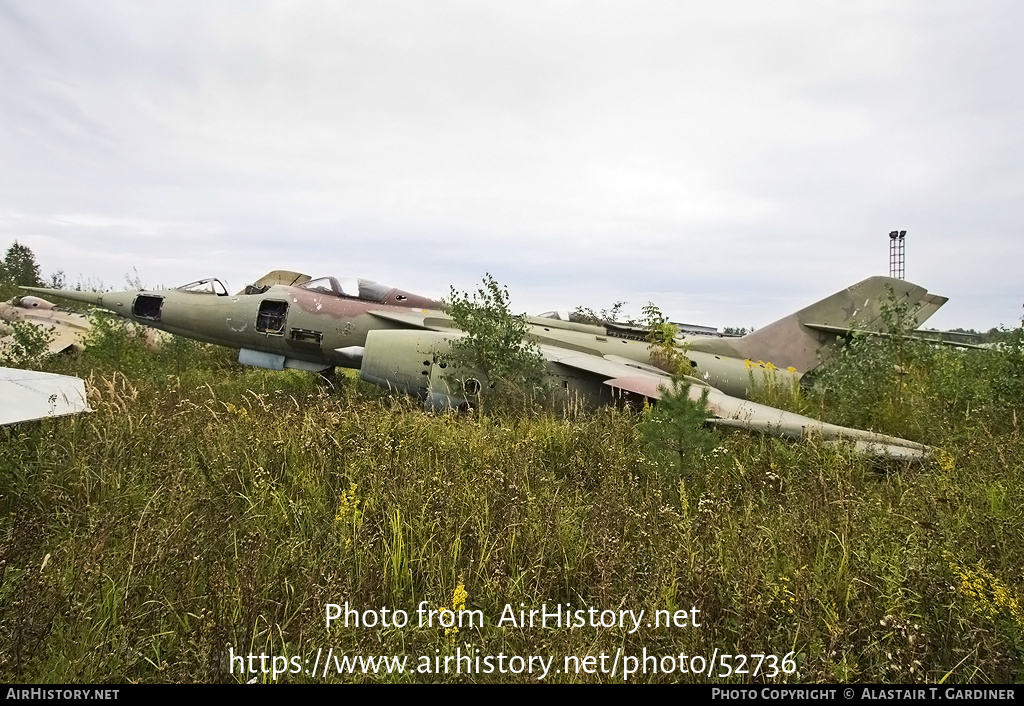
<point>27,395</point>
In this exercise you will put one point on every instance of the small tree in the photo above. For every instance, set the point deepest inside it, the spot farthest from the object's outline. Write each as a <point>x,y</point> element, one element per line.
<point>661,337</point>
<point>674,428</point>
<point>875,381</point>
<point>495,346</point>
<point>20,266</point>
<point>586,315</point>
<point>27,345</point>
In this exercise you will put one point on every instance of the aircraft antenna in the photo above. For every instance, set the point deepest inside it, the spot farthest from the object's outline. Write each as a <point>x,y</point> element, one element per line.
<point>897,254</point>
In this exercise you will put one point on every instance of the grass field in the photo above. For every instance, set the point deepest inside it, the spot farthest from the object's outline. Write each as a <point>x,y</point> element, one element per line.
<point>206,511</point>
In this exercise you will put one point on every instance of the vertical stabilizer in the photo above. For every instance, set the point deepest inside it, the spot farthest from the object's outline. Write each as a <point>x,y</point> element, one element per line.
<point>801,340</point>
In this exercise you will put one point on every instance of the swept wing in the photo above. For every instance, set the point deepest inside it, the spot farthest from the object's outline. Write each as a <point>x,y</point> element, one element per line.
<point>727,410</point>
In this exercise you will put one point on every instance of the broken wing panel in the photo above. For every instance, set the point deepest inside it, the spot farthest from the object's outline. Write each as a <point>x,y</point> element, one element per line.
<point>27,395</point>
<point>639,385</point>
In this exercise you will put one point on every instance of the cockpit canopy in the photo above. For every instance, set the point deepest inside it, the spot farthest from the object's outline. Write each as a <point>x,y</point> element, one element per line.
<point>205,286</point>
<point>351,287</point>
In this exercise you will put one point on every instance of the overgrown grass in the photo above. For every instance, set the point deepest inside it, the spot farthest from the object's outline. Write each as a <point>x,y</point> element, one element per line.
<point>204,507</point>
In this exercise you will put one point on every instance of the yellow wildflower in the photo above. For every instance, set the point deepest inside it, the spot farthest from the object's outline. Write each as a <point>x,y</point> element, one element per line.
<point>987,595</point>
<point>348,505</point>
<point>459,597</point>
<point>945,460</point>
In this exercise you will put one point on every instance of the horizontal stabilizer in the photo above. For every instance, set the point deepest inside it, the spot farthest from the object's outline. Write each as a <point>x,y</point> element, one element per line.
<point>752,416</point>
<point>920,334</point>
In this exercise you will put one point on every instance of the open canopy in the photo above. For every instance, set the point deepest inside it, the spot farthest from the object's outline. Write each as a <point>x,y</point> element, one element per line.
<point>205,286</point>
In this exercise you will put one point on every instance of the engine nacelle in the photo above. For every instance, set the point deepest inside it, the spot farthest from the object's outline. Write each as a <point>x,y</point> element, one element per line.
<point>737,377</point>
<point>416,362</point>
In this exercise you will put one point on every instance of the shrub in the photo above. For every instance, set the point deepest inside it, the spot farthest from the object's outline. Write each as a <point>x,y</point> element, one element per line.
<point>495,347</point>
<point>27,346</point>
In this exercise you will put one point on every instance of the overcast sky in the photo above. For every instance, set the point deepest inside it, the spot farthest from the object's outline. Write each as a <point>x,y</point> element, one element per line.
<point>730,162</point>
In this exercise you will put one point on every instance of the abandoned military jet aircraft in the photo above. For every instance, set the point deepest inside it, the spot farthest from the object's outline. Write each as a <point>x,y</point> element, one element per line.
<point>398,340</point>
<point>67,328</point>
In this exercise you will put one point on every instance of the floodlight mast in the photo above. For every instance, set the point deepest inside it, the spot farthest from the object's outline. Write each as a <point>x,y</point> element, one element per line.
<point>897,254</point>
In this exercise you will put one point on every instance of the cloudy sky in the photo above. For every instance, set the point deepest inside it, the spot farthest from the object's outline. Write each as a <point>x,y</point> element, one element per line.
<point>728,161</point>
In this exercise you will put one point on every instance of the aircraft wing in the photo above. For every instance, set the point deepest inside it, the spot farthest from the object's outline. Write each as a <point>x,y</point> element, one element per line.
<point>64,339</point>
<point>417,318</point>
<point>27,395</point>
<point>618,373</point>
<point>66,329</point>
<point>726,410</point>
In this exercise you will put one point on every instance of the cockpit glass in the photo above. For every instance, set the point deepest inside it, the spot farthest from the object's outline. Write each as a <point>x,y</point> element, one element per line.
<point>205,286</point>
<point>373,291</point>
<point>324,285</point>
<point>349,287</point>
<point>352,287</point>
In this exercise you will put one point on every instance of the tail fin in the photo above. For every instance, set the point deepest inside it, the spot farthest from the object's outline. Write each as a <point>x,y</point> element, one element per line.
<point>802,340</point>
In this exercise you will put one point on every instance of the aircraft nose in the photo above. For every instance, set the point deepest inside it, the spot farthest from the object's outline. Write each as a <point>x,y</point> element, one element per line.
<point>117,302</point>
<point>87,297</point>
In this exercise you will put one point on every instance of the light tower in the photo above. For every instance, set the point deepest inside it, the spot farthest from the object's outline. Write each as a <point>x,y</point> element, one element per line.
<point>897,255</point>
